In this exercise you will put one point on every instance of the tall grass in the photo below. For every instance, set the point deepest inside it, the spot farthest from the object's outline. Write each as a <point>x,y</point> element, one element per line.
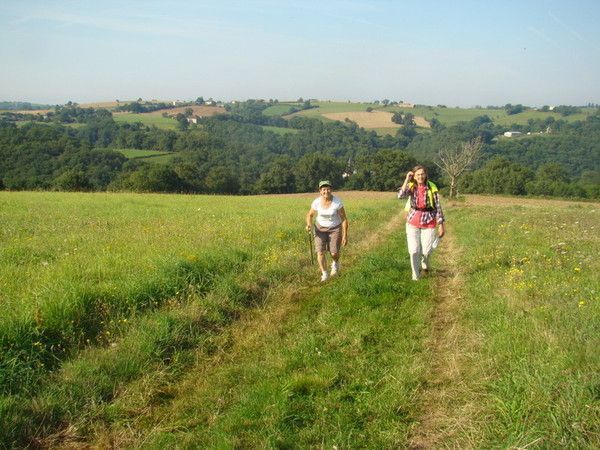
<point>349,365</point>
<point>341,372</point>
<point>98,288</point>
<point>119,326</point>
<point>534,302</point>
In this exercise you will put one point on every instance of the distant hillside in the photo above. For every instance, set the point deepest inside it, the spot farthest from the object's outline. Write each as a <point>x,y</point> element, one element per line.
<point>445,115</point>
<point>15,106</point>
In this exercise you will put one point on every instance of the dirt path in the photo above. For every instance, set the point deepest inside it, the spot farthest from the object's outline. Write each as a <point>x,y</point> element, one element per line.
<point>442,402</point>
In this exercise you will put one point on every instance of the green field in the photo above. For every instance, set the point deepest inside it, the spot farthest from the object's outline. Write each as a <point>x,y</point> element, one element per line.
<point>447,116</point>
<point>451,116</point>
<point>152,156</point>
<point>281,108</point>
<point>166,123</point>
<point>279,130</point>
<point>171,321</point>
<point>327,107</point>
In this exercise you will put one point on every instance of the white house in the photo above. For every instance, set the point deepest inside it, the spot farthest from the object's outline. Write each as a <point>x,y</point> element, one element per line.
<point>512,133</point>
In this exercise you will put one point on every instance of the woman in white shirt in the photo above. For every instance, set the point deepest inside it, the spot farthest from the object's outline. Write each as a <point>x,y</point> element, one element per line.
<point>330,228</point>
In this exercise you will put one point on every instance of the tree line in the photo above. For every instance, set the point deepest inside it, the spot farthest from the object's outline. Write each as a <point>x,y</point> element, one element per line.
<point>232,153</point>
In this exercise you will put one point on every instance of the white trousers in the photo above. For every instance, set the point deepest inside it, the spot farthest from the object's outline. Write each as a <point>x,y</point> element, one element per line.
<point>421,242</point>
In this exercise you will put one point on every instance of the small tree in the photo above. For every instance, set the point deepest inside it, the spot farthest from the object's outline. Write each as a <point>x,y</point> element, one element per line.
<point>454,160</point>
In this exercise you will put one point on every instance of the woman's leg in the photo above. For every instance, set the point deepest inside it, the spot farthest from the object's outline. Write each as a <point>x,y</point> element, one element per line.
<point>413,239</point>
<point>334,247</point>
<point>322,246</point>
<point>428,237</point>
<point>322,261</point>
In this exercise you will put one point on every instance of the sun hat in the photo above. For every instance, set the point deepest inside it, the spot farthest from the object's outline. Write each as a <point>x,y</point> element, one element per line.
<point>324,183</point>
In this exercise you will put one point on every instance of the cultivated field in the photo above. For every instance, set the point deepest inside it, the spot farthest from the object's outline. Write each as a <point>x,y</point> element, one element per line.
<point>202,111</point>
<point>198,321</point>
<point>448,116</point>
<point>373,119</point>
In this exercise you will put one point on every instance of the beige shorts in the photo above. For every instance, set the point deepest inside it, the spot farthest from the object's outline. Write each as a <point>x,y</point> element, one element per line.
<point>328,239</point>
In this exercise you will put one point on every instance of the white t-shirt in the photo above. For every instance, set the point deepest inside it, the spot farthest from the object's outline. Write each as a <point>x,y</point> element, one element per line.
<point>328,217</point>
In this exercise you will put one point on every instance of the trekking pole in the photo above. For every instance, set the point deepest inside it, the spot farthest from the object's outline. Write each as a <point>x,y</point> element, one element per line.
<point>310,246</point>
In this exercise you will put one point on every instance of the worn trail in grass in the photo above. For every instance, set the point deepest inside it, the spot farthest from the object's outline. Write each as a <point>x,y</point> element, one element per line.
<point>497,349</point>
<point>441,396</point>
<point>514,333</point>
<point>334,364</point>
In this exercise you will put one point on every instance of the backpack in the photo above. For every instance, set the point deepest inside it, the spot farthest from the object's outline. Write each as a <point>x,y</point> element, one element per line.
<point>431,189</point>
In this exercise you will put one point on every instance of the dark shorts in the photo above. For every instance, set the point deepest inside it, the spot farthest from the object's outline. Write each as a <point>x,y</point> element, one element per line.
<point>328,239</point>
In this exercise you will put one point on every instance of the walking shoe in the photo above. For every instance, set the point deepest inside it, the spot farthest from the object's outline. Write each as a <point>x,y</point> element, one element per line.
<point>324,276</point>
<point>335,268</point>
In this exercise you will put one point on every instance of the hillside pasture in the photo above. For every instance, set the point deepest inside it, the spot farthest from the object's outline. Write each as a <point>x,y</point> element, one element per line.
<point>327,107</point>
<point>451,116</point>
<point>197,110</point>
<point>448,116</point>
<point>280,109</point>
<point>148,119</point>
<point>33,112</point>
<point>105,105</point>
<point>373,119</point>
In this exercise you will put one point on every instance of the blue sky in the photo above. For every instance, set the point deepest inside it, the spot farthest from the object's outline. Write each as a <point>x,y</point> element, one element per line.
<point>458,53</point>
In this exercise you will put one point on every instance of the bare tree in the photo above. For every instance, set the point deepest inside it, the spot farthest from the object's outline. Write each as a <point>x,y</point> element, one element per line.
<point>456,159</point>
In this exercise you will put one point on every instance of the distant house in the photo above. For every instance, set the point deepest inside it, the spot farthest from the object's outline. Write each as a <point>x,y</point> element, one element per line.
<point>192,119</point>
<point>512,133</point>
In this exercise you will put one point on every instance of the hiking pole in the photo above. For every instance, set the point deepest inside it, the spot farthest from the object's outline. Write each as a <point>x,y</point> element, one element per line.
<point>310,246</point>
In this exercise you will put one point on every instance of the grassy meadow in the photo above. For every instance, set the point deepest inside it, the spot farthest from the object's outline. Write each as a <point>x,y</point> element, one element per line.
<point>198,322</point>
<point>153,156</point>
<point>279,130</point>
<point>165,123</point>
<point>97,288</point>
<point>448,116</point>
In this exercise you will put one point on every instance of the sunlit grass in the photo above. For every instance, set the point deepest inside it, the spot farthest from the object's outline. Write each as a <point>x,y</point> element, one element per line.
<point>80,272</point>
<point>166,123</point>
<point>534,300</point>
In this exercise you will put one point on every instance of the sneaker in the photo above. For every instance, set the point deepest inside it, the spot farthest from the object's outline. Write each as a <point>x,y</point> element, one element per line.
<point>324,276</point>
<point>423,265</point>
<point>335,268</point>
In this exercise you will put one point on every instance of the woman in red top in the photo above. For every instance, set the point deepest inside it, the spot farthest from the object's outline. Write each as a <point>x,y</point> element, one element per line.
<point>424,215</point>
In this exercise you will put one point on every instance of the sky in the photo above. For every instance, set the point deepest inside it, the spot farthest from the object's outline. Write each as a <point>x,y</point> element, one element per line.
<point>456,53</point>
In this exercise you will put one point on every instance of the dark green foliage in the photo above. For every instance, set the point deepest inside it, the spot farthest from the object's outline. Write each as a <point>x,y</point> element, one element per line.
<point>499,176</point>
<point>25,106</point>
<point>75,114</point>
<point>44,157</point>
<point>279,178</point>
<point>232,153</point>
<point>314,167</point>
<point>381,171</point>
<point>514,109</point>
<point>139,107</point>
